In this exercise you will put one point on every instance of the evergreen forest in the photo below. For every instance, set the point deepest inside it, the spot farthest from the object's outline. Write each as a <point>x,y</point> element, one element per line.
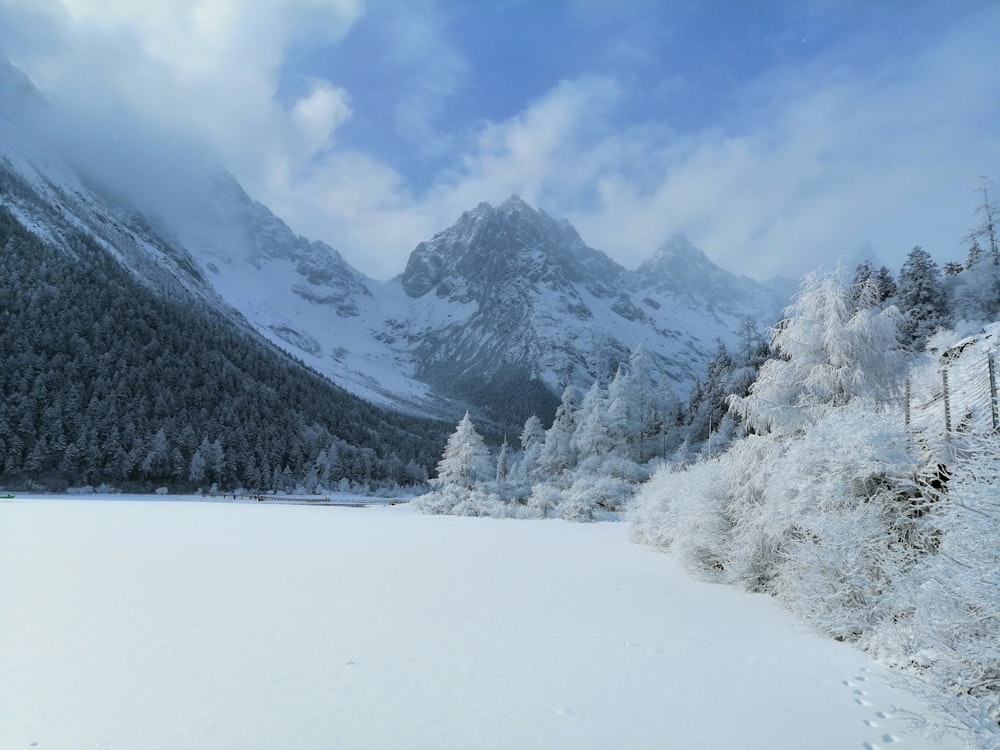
<point>108,382</point>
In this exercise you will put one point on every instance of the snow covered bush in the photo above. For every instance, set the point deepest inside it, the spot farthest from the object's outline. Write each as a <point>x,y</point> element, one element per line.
<point>479,502</point>
<point>686,510</point>
<point>949,629</point>
<point>544,498</point>
<point>591,497</point>
<point>830,513</point>
<point>821,521</point>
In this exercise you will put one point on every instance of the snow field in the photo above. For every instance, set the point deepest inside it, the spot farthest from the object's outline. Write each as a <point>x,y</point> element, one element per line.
<point>135,624</point>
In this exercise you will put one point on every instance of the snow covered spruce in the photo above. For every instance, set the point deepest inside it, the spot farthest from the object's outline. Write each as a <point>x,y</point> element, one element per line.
<point>586,466</point>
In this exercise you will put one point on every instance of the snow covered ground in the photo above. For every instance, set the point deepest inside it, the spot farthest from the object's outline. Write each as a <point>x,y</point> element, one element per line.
<point>141,624</point>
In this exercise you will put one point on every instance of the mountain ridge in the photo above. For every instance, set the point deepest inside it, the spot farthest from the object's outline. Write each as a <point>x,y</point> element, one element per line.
<point>498,312</point>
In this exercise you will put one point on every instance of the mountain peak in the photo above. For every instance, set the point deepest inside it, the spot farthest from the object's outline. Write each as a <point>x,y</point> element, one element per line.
<point>512,242</point>
<point>515,202</point>
<point>679,249</point>
<point>18,95</point>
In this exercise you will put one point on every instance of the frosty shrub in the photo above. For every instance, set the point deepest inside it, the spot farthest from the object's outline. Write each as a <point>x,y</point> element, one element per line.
<point>442,500</point>
<point>651,511</point>
<point>838,567</point>
<point>816,520</point>
<point>590,497</point>
<point>686,510</point>
<point>623,468</point>
<point>544,499</point>
<point>479,502</point>
<point>952,631</point>
<point>825,527</point>
<point>748,468</point>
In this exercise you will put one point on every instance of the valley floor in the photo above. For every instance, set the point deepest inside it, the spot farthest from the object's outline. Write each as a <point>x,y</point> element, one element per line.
<point>139,624</point>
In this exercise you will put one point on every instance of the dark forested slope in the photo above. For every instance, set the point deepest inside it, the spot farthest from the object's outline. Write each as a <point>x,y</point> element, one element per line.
<point>105,380</point>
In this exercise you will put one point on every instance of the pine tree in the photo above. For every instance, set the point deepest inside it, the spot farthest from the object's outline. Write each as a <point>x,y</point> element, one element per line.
<point>466,459</point>
<point>833,349</point>
<point>503,461</point>
<point>557,454</point>
<point>708,403</point>
<point>532,440</point>
<point>644,412</point>
<point>922,297</point>
<point>592,439</point>
<point>885,284</point>
<point>863,273</point>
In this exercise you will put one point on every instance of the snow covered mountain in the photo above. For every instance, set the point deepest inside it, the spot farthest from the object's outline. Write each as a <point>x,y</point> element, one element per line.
<point>535,306</point>
<point>48,195</point>
<point>499,311</point>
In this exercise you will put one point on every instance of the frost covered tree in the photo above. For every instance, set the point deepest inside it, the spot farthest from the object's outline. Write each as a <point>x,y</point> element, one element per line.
<point>707,405</point>
<point>975,292</point>
<point>646,409</point>
<point>885,284</point>
<point>985,237</point>
<point>557,454</point>
<point>592,440</point>
<point>466,460</point>
<point>621,419</point>
<point>503,462</point>
<point>882,278</point>
<point>832,348</point>
<point>532,439</point>
<point>922,298</point>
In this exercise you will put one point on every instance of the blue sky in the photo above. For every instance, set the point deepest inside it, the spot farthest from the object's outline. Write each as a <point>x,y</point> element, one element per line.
<point>776,135</point>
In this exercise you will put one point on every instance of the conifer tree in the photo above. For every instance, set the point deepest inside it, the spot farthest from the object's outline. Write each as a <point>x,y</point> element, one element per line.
<point>466,460</point>
<point>832,349</point>
<point>532,440</point>
<point>592,438</point>
<point>557,454</point>
<point>922,297</point>
<point>503,461</point>
<point>885,284</point>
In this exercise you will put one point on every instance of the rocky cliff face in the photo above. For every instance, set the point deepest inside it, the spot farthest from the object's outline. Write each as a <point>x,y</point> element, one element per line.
<point>540,305</point>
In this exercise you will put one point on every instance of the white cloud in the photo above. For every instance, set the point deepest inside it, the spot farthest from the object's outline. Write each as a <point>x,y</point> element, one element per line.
<point>208,68</point>
<point>430,70</point>
<point>811,162</point>
<point>318,114</point>
<point>821,159</point>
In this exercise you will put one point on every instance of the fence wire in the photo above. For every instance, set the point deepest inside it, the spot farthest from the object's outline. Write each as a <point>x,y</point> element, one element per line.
<point>959,396</point>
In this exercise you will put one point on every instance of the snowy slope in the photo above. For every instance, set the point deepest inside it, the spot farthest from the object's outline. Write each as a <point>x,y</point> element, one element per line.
<point>167,625</point>
<point>52,199</point>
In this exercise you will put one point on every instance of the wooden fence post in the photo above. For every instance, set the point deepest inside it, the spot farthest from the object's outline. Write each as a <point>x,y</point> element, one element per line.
<point>947,403</point>
<point>906,412</point>
<point>993,391</point>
